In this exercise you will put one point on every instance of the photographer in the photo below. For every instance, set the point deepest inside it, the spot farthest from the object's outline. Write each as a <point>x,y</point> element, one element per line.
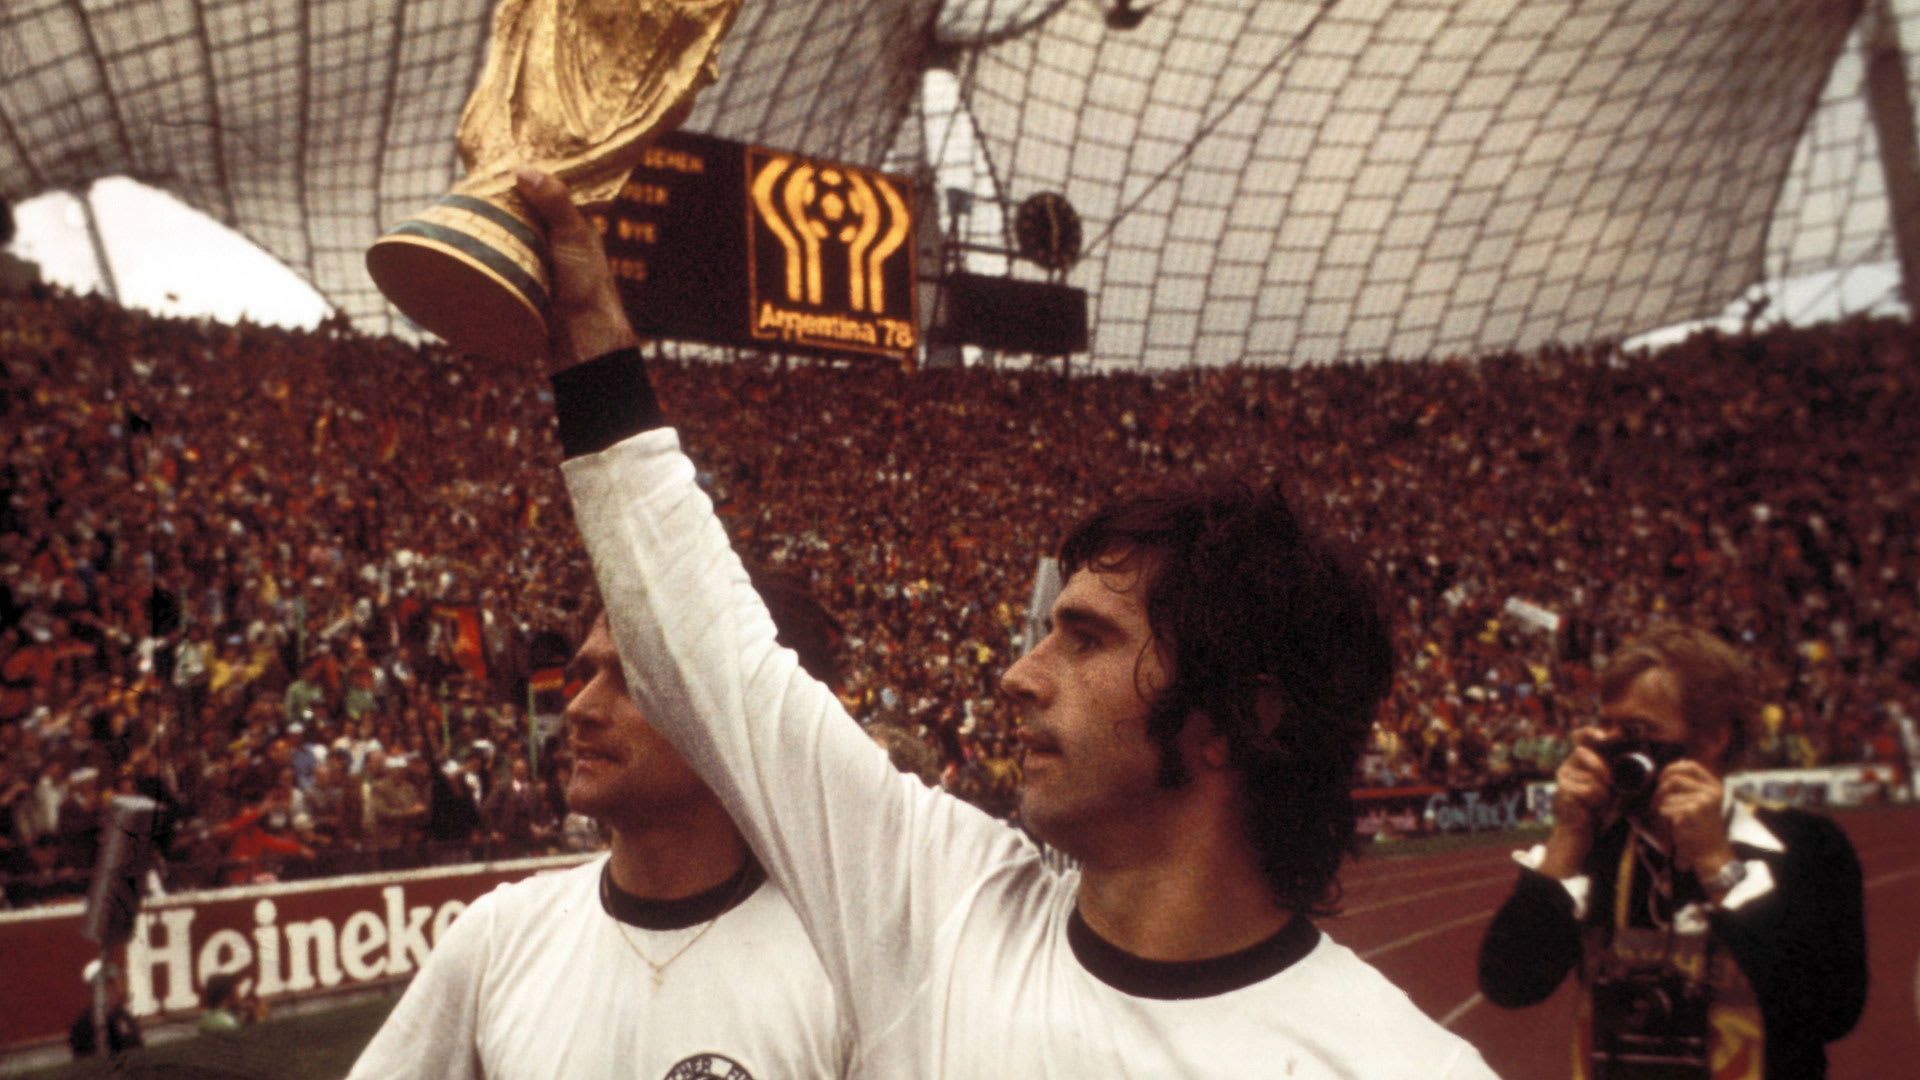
<point>1703,930</point>
<point>228,1006</point>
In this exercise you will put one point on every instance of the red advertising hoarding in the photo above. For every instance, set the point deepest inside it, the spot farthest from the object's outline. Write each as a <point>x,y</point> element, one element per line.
<point>293,940</point>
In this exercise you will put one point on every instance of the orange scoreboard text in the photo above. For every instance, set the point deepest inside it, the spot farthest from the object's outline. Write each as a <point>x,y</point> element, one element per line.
<point>732,244</point>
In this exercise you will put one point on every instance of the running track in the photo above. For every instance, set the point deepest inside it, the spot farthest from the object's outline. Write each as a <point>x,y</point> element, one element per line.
<point>1419,919</point>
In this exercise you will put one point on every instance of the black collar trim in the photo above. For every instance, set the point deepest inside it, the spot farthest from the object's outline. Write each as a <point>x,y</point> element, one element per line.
<point>686,911</point>
<point>1180,980</point>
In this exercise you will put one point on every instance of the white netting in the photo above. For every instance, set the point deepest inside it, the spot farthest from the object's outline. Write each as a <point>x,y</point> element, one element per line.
<point>1267,181</point>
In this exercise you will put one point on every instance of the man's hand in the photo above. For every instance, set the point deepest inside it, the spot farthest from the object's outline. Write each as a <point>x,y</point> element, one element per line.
<point>1583,789</point>
<point>585,316</point>
<point>1688,803</point>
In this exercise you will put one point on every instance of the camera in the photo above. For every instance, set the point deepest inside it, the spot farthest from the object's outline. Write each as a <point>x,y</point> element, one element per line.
<point>1635,766</point>
<point>1649,1025</point>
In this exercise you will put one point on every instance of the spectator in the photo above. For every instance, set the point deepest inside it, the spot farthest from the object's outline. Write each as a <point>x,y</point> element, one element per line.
<point>516,813</point>
<point>276,486</point>
<point>38,875</point>
<point>260,838</point>
<point>16,809</point>
<point>326,800</point>
<point>453,808</point>
<point>400,809</point>
<point>225,1009</point>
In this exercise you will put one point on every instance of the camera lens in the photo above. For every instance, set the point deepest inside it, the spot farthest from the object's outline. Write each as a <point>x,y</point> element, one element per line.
<point>1633,774</point>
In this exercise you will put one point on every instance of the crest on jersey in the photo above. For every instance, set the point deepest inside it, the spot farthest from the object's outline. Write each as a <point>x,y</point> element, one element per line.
<point>708,1067</point>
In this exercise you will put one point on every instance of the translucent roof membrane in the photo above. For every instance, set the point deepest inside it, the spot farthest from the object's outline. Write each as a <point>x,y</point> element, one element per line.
<point>1261,181</point>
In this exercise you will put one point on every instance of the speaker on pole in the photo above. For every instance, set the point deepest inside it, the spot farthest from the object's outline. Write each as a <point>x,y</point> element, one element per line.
<point>126,849</point>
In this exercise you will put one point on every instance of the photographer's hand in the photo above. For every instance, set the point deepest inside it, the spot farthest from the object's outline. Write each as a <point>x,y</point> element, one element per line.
<point>1583,790</point>
<point>1689,802</point>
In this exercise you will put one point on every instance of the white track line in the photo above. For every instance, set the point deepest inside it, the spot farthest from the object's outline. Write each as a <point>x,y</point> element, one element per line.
<point>1424,894</point>
<point>1361,875</point>
<point>1889,878</point>
<point>1461,1010</point>
<point>1422,935</point>
<point>1892,876</point>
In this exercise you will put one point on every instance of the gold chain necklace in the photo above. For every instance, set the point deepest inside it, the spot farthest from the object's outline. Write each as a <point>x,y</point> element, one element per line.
<point>660,969</point>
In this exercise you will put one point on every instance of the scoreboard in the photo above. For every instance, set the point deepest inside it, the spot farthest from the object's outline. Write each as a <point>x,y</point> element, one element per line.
<point>732,244</point>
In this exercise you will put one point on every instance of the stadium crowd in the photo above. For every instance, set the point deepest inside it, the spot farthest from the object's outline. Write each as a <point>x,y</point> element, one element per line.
<point>243,575</point>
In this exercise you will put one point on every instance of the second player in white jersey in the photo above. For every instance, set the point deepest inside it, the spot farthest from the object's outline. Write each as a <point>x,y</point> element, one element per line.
<point>539,980</point>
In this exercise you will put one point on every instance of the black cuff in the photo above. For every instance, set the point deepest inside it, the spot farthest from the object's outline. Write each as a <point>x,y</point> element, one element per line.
<point>603,401</point>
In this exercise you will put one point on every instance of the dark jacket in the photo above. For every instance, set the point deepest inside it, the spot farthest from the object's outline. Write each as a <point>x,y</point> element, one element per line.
<point>1802,946</point>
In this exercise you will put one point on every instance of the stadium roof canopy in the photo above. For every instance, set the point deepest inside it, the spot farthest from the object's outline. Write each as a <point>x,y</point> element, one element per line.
<point>1267,181</point>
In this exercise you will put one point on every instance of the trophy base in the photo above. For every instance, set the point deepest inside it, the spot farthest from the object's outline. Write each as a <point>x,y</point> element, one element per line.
<point>470,270</point>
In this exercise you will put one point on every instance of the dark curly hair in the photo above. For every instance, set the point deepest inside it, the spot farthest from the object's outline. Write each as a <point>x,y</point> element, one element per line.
<point>1273,635</point>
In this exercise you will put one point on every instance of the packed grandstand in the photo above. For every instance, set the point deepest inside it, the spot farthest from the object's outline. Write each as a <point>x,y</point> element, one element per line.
<point>313,592</point>
<point>244,575</point>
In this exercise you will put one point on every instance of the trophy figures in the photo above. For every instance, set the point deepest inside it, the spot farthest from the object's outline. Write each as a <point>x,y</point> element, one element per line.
<point>576,88</point>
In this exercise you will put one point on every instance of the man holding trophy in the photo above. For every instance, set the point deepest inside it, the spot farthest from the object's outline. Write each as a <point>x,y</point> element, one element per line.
<point>1196,765</point>
<point>1711,939</point>
<point>1202,783</point>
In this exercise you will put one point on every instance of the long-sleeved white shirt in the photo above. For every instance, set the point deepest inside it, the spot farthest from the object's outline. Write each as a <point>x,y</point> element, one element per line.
<point>955,949</point>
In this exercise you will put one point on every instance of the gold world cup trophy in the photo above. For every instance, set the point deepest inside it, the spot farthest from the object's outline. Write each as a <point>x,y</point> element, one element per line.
<point>577,88</point>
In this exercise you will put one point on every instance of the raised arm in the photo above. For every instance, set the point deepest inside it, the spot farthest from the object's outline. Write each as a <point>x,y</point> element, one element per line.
<point>872,861</point>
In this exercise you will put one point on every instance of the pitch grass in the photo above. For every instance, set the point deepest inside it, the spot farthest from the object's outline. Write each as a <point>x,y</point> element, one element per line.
<point>315,1046</point>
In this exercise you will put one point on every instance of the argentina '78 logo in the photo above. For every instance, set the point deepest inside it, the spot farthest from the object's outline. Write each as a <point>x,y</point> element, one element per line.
<point>829,255</point>
<point>708,1067</point>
